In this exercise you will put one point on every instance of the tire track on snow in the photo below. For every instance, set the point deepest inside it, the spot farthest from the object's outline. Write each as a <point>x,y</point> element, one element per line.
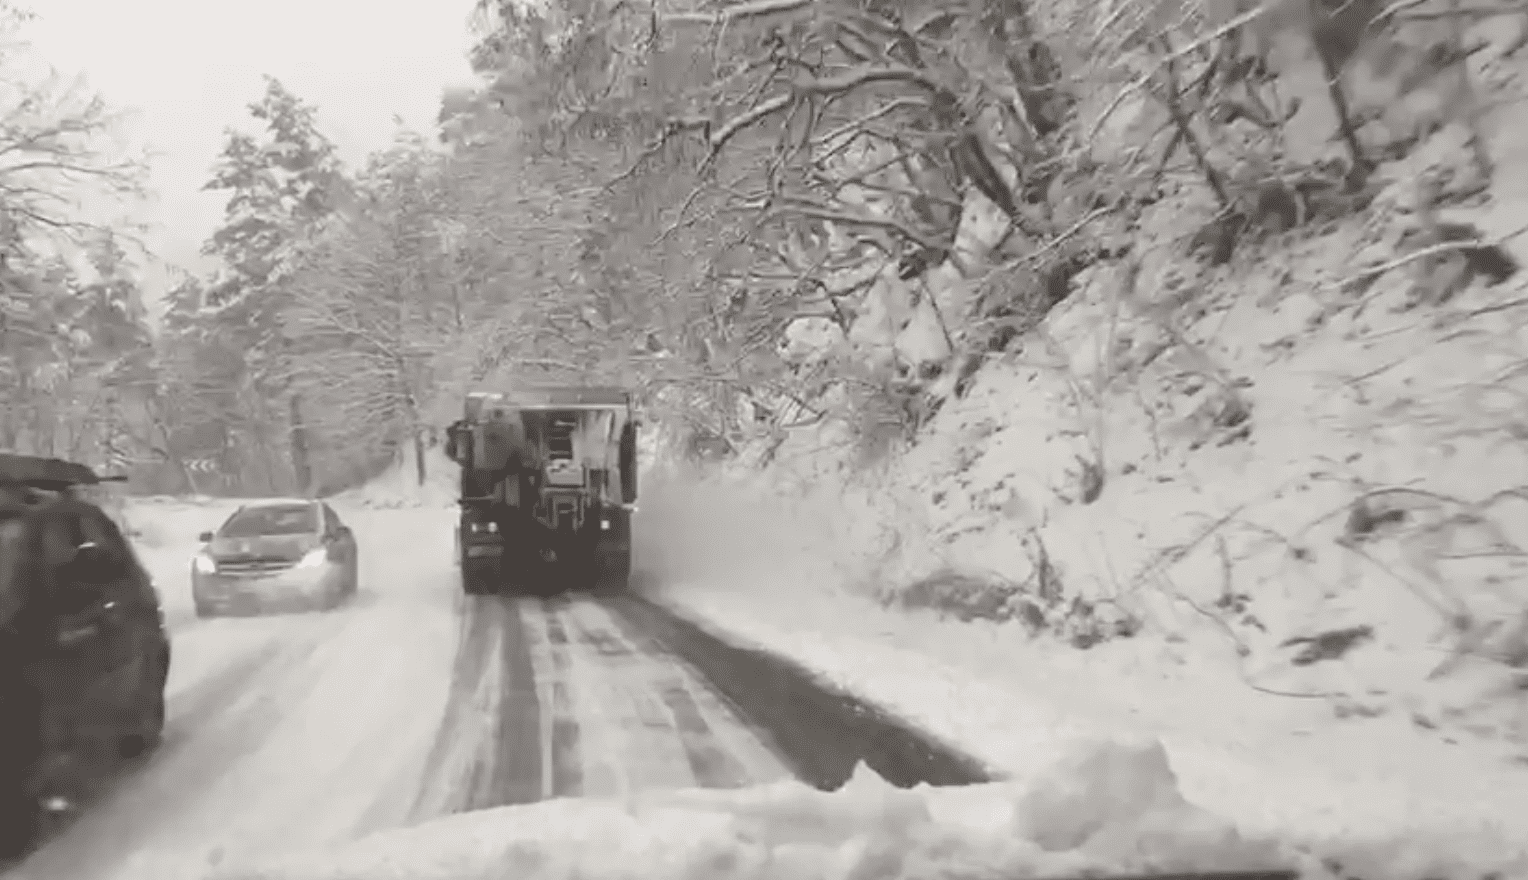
<point>821,731</point>
<point>636,723</point>
<point>566,775</point>
<point>508,765</point>
<point>448,772</point>
<point>719,747</point>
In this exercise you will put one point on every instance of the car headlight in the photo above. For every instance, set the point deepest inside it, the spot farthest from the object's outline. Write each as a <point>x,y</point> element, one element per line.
<point>314,558</point>
<point>204,564</point>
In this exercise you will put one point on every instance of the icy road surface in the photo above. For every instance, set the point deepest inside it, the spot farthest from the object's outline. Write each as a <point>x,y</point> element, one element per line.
<point>413,702</point>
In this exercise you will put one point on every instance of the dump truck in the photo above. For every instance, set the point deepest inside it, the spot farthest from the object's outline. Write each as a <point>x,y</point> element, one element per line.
<point>548,488</point>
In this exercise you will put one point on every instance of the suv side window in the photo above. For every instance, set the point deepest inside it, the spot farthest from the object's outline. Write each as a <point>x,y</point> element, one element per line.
<point>67,524</point>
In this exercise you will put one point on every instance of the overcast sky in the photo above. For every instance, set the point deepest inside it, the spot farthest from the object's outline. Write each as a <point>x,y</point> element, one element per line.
<point>189,68</point>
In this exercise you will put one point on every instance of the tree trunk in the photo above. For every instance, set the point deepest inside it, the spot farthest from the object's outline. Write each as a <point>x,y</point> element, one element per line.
<point>185,471</point>
<point>419,463</point>
<point>1036,74</point>
<point>301,469</point>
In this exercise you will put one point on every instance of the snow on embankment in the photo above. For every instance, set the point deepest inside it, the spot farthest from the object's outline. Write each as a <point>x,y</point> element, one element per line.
<point>1108,807</point>
<point>399,486</point>
<point>1272,512</point>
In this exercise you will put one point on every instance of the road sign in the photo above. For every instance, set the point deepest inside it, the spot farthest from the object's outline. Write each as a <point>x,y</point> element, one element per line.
<point>117,458</point>
<point>202,465</point>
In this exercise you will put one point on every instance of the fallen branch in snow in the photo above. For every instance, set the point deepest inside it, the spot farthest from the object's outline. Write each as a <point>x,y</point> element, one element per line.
<point>1498,307</point>
<point>1179,52</point>
<point>1273,692</point>
<point>1423,253</point>
<point>1170,556</point>
<point>1444,599</point>
<point>1241,646</point>
<point>1493,11</point>
<point>1066,234</point>
<point>1242,651</point>
<point>754,9</point>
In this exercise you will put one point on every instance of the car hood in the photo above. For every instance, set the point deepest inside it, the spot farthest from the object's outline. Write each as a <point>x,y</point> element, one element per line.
<point>291,547</point>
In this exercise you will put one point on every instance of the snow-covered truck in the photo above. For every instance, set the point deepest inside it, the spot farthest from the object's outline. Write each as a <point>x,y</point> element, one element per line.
<point>548,487</point>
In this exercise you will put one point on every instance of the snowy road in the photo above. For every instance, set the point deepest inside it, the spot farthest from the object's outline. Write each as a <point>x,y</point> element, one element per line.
<point>555,698</point>
<point>415,702</point>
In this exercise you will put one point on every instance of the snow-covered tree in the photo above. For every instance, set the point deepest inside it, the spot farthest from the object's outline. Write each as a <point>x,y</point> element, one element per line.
<point>282,184</point>
<point>71,334</point>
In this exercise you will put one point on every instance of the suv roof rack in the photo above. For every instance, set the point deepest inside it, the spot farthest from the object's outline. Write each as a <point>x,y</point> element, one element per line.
<point>53,474</point>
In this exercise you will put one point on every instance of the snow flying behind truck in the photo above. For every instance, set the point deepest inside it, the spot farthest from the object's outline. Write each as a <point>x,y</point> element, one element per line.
<point>548,488</point>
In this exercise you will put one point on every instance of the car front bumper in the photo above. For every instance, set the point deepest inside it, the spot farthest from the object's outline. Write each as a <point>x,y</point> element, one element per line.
<point>290,589</point>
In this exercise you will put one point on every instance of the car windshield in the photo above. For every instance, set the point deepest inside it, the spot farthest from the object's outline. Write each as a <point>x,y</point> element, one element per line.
<point>274,519</point>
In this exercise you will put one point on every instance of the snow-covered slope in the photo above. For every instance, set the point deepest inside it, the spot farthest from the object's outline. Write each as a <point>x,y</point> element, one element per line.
<point>1271,513</point>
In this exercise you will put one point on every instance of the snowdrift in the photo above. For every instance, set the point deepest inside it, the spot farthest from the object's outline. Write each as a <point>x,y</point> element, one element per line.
<point>1109,807</point>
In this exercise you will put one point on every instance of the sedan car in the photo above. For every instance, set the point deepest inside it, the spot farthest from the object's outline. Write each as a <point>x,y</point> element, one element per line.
<point>277,554</point>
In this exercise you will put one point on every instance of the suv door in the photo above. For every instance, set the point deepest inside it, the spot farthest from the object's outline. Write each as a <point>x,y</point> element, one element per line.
<point>121,642</point>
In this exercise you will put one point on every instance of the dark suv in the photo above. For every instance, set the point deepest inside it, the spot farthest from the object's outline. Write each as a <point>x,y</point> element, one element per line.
<point>83,649</point>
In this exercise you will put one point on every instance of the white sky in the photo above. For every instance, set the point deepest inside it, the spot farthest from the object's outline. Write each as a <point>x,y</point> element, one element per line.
<point>189,69</point>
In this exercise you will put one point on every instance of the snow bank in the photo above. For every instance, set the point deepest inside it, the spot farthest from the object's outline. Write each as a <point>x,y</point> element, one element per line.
<point>1109,807</point>
<point>399,485</point>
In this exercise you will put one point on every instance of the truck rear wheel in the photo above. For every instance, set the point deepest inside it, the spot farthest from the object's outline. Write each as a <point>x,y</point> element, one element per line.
<point>479,579</point>
<point>615,568</point>
<point>613,553</point>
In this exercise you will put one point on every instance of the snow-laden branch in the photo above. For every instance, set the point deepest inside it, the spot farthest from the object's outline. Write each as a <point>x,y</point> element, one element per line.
<point>736,12</point>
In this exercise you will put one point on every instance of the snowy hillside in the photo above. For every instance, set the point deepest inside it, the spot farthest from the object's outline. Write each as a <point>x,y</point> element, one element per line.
<point>1270,511</point>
